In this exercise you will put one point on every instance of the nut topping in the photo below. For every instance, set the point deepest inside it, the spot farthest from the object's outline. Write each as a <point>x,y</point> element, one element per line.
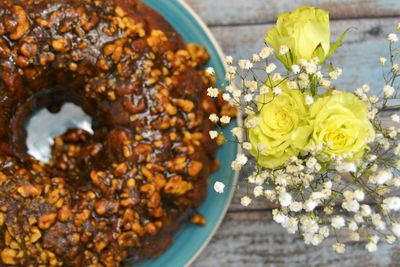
<point>108,194</point>
<point>47,220</point>
<point>22,23</point>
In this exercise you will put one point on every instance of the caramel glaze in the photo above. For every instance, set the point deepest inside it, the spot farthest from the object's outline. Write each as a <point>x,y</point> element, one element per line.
<point>124,190</point>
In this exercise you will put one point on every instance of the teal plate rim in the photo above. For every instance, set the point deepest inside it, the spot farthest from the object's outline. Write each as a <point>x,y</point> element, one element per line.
<point>191,240</point>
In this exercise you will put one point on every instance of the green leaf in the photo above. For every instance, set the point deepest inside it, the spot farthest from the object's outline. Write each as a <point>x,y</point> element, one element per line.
<point>329,67</point>
<point>313,86</point>
<point>337,43</point>
<point>287,60</point>
<point>324,167</point>
<point>319,52</point>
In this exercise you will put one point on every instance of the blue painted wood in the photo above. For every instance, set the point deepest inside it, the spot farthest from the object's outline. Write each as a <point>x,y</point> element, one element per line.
<point>358,57</point>
<point>248,236</point>
<point>252,239</point>
<point>241,12</point>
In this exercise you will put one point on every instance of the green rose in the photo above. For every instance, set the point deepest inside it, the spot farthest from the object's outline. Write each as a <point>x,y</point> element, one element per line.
<point>282,130</point>
<point>341,125</point>
<point>305,31</point>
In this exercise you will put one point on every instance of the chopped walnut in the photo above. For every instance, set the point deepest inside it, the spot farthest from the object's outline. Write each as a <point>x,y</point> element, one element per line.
<point>127,239</point>
<point>104,194</point>
<point>81,217</point>
<point>65,213</point>
<point>61,45</point>
<point>194,168</point>
<point>9,256</point>
<point>186,105</point>
<point>47,220</point>
<point>28,190</point>
<point>22,23</point>
<point>198,219</point>
<point>36,235</point>
<point>103,207</point>
<point>156,39</point>
<point>177,186</point>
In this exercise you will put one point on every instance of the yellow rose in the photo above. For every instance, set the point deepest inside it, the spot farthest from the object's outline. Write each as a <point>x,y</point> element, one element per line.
<point>305,31</point>
<point>282,129</point>
<point>341,125</point>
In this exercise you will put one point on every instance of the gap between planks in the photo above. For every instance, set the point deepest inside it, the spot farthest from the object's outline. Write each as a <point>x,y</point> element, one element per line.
<point>358,58</point>
<point>241,12</point>
<point>272,22</point>
<point>254,240</point>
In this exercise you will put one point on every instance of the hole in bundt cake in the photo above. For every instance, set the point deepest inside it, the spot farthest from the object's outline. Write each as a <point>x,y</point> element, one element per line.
<point>46,115</point>
<point>43,126</point>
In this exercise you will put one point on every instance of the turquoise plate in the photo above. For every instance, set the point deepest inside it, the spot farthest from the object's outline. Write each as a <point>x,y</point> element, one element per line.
<point>191,239</point>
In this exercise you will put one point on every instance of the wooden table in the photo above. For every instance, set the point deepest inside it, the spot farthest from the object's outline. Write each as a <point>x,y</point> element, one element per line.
<point>248,237</point>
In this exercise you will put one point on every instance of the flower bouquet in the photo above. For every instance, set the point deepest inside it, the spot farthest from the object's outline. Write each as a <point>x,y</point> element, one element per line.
<point>323,155</point>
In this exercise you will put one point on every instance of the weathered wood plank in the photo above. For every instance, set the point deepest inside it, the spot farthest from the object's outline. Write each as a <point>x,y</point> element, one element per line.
<point>244,188</point>
<point>358,59</point>
<point>251,239</point>
<point>237,12</point>
<point>261,203</point>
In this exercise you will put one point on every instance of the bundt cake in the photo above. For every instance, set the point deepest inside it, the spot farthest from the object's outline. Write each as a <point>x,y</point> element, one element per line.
<point>122,191</point>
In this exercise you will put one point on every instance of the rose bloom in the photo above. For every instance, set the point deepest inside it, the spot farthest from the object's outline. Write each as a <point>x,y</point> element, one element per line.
<point>283,128</point>
<point>340,123</point>
<point>305,31</point>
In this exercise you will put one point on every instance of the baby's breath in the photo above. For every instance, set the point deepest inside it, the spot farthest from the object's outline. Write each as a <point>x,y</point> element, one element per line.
<point>213,92</point>
<point>213,134</point>
<point>319,195</point>
<point>210,71</point>
<point>393,38</point>
<point>245,201</point>
<point>219,187</point>
<point>270,68</point>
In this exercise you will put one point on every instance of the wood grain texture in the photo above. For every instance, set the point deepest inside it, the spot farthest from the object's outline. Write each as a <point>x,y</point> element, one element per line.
<point>239,12</point>
<point>252,239</point>
<point>358,57</point>
<point>248,236</point>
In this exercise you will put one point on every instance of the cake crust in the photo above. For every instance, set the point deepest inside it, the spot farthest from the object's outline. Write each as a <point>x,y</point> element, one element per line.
<point>123,191</point>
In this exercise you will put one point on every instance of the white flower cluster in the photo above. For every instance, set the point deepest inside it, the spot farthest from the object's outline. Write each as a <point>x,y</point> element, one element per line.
<point>309,201</point>
<point>318,199</point>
